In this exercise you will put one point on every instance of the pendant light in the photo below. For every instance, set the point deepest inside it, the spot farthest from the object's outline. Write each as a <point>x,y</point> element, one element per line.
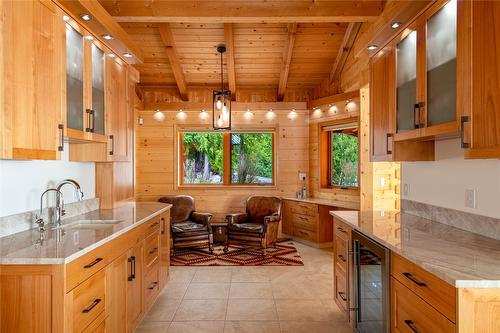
<point>221,108</point>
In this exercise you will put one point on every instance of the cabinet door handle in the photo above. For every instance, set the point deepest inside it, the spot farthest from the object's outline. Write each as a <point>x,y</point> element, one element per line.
<point>131,260</point>
<point>414,280</point>
<point>61,137</point>
<point>342,295</point>
<point>411,325</point>
<point>90,127</point>
<point>387,136</point>
<point>153,285</point>
<point>341,230</point>
<point>112,139</point>
<point>95,262</point>
<point>463,120</point>
<point>153,250</point>
<point>91,306</point>
<point>416,114</point>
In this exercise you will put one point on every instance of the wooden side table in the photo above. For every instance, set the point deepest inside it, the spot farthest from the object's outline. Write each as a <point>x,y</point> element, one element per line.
<point>219,230</point>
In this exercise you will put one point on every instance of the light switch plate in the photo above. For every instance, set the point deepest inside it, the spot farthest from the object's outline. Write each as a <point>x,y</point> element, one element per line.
<point>406,190</point>
<point>382,182</point>
<point>302,176</point>
<point>470,198</point>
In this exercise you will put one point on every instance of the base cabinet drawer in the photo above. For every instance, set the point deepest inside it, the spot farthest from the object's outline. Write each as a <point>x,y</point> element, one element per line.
<point>307,235</point>
<point>410,314</point>
<point>87,301</point>
<point>151,286</point>
<point>152,249</point>
<point>304,208</point>
<point>305,222</point>
<point>340,289</point>
<point>98,325</point>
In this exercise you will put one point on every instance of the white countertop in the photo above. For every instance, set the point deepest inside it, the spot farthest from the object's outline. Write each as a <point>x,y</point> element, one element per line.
<point>462,258</point>
<point>327,202</point>
<point>61,246</point>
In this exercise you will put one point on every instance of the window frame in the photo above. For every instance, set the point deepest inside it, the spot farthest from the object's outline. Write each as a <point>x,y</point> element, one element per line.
<point>325,156</point>
<point>227,158</point>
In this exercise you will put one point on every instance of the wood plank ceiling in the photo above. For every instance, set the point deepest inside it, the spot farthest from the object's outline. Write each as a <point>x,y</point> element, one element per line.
<point>270,51</point>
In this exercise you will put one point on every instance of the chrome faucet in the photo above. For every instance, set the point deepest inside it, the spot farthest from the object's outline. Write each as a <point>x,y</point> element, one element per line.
<point>39,218</point>
<point>59,209</point>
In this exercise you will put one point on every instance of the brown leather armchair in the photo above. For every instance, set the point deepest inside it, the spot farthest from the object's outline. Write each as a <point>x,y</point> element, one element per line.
<point>188,227</point>
<point>259,225</point>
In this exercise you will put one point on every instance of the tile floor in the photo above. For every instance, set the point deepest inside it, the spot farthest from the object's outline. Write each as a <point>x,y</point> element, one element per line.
<point>249,299</point>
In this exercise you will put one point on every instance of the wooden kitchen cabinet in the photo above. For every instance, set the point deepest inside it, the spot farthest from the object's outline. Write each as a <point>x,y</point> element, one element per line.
<point>164,248</point>
<point>480,79</point>
<point>134,309</point>
<point>32,80</point>
<point>342,269</point>
<point>116,283</point>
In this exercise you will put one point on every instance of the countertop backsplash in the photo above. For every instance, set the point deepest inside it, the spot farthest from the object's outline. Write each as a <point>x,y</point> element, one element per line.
<point>24,221</point>
<point>478,224</point>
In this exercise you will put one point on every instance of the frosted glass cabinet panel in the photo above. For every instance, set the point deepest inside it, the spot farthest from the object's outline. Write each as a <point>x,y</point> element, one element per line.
<point>74,78</point>
<point>441,65</point>
<point>98,89</point>
<point>406,82</point>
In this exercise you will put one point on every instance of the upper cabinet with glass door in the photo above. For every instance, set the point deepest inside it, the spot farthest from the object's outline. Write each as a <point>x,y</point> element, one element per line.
<point>426,75</point>
<point>85,114</point>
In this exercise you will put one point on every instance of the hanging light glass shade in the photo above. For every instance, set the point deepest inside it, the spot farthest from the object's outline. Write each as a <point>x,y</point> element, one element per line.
<point>221,109</point>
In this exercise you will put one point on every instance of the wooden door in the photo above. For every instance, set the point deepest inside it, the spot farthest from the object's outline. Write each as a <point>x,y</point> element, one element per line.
<point>482,96</point>
<point>134,285</point>
<point>164,248</point>
<point>33,72</point>
<point>116,283</point>
<point>382,100</point>
<point>118,110</point>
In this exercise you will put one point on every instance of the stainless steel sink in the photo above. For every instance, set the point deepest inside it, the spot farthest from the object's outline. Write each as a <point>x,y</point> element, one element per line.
<point>89,224</point>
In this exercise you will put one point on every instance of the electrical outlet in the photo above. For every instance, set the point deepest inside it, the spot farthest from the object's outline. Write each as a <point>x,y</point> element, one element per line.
<point>382,182</point>
<point>470,198</point>
<point>406,190</point>
<point>302,176</point>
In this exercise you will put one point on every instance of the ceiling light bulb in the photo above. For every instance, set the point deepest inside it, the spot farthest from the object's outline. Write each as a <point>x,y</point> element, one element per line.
<point>218,104</point>
<point>127,55</point>
<point>219,122</point>
<point>224,109</point>
<point>395,25</point>
<point>372,47</point>
<point>111,55</point>
<point>107,36</point>
<point>89,37</point>
<point>65,18</point>
<point>86,17</point>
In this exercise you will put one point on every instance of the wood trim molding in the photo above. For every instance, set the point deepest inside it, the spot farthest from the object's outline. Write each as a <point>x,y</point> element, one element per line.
<point>332,99</point>
<point>229,39</point>
<point>287,59</point>
<point>235,106</point>
<point>173,58</point>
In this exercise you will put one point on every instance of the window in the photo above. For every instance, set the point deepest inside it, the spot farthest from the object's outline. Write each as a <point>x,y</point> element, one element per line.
<point>340,156</point>
<point>229,158</point>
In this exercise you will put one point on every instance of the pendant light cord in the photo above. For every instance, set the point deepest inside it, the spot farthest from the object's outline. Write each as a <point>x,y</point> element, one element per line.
<point>221,73</point>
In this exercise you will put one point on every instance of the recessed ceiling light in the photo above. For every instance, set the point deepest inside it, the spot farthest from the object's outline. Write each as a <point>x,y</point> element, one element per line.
<point>127,55</point>
<point>86,17</point>
<point>372,47</point>
<point>395,25</point>
<point>107,36</point>
<point>89,37</point>
<point>65,18</point>
<point>111,55</point>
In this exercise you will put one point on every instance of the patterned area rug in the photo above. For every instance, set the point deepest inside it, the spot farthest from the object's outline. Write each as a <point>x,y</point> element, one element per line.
<point>285,254</point>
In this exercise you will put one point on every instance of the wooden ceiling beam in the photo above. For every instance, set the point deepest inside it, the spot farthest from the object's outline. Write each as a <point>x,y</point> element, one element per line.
<point>287,59</point>
<point>344,50</point>
<point>231,75</point>
<point>244,11</point>
<point>173,58</point>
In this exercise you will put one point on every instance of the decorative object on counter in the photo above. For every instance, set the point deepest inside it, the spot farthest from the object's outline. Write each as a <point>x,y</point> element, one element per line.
<point>189,227</point>
<point>478,224</point>
<point>258,226</point>
<point>283,254</point>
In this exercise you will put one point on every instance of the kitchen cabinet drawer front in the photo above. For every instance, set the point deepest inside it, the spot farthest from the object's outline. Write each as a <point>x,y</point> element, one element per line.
<point>88,300</point>
<point>87,265</point>
<point>98,325</point>
<point>410,314</point>
<point>341,229</point>
<point>340,289</point>
<point>305,234</point>
<point>152,226</point>
<point>304,208</point>
<point>151,285</point>
<point>340,253</point>
<point>436,292</point>
<point>305,222</point>
<point>151,252</point>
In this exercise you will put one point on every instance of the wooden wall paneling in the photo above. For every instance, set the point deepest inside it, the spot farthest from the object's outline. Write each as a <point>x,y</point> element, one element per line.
<point>478,310</point>
<point>243,11</point>
<point>287,59</point>
<point>6,75</point>
<point>365,165</point>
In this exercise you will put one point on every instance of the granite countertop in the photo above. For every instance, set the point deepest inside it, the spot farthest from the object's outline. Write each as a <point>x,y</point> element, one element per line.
<point>462,258</point>
<point>327,202</point>
<point>61,246</point>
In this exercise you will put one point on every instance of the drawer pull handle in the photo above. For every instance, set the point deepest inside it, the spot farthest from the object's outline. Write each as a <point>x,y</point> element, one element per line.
<point>163,227</point>
<point>411,325</point>
<point>153,250</point>
<point>91,306</point>
<point>95,262</point>
<point>154,224</point>
<point>414,280</point>
<point>341,257</point>
<point>153,285</point>
<point>341,230</point>
<point>343,296</point>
